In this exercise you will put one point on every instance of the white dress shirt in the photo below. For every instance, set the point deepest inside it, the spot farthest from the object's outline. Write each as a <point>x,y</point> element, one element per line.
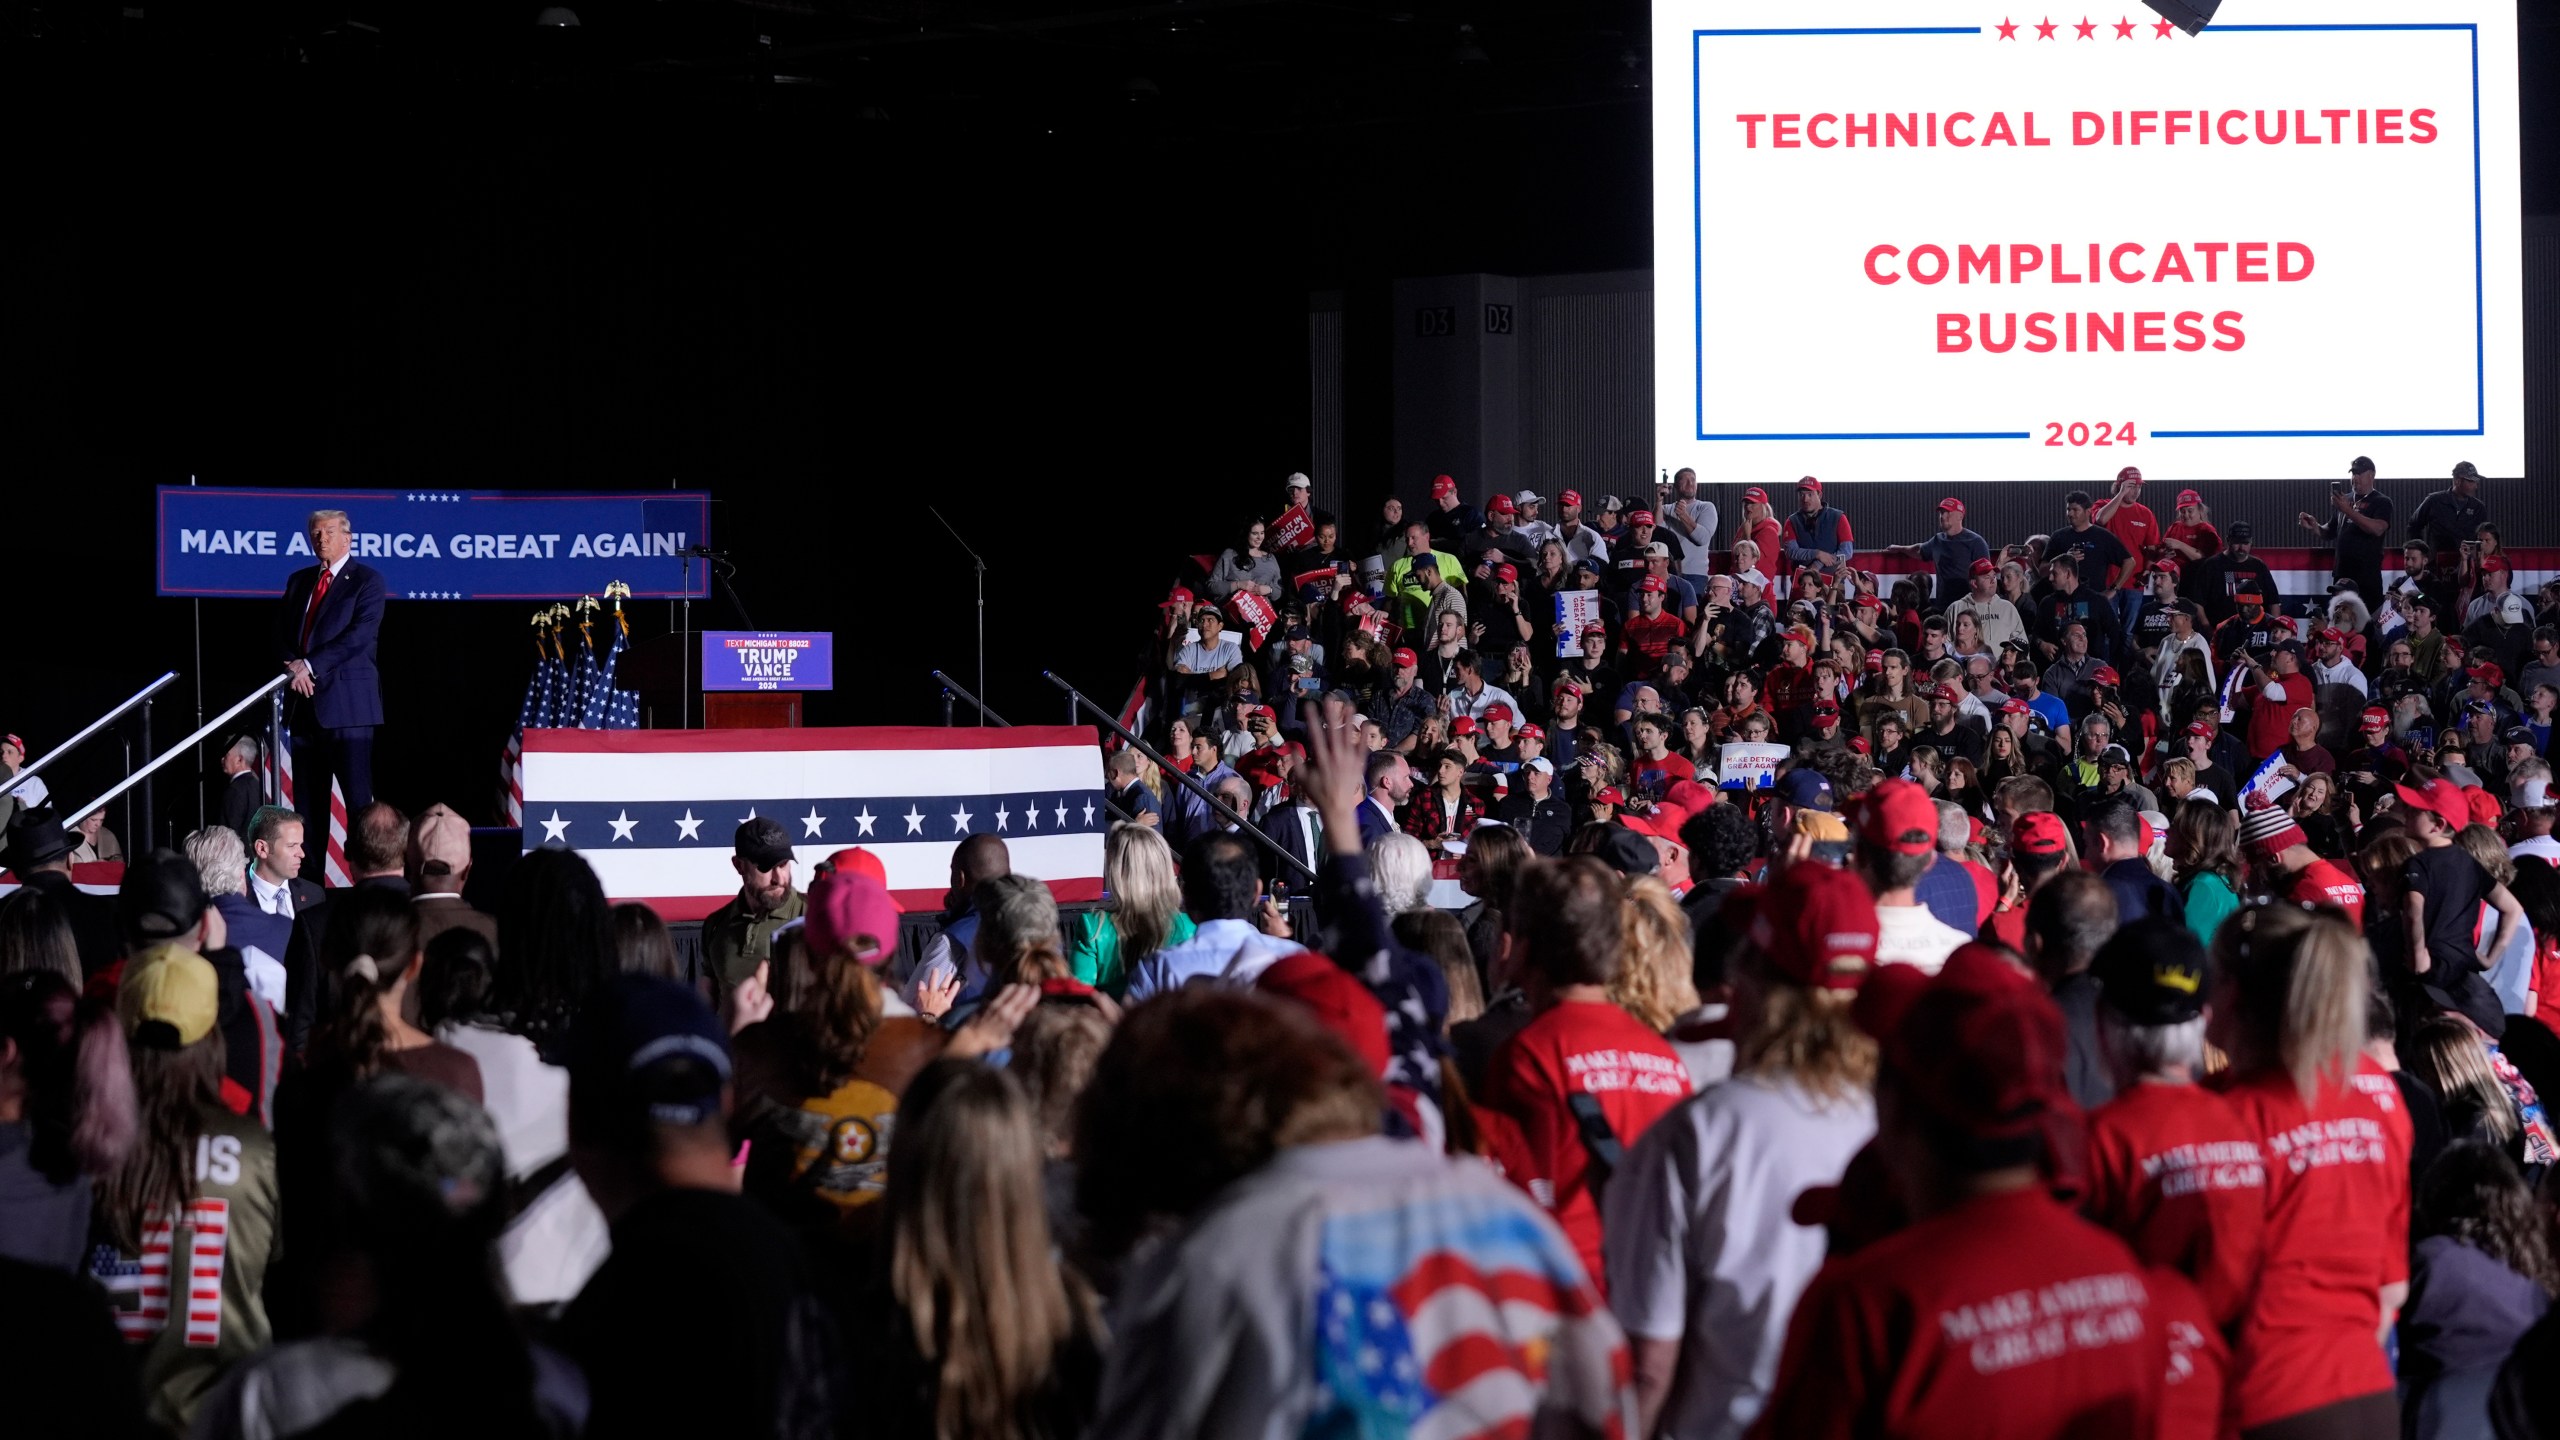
<point>276,898</point>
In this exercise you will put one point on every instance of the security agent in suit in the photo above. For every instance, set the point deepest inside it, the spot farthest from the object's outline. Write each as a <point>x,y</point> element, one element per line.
<point>326,632</point>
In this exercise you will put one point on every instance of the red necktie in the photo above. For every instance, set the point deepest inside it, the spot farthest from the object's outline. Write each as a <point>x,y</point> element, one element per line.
<point>318,591</point>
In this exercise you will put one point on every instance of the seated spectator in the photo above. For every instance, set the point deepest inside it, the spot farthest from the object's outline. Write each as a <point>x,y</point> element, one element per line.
<point>92,843</point>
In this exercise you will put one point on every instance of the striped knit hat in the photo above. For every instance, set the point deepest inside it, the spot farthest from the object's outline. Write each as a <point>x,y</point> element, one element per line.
<point>2269,832</point>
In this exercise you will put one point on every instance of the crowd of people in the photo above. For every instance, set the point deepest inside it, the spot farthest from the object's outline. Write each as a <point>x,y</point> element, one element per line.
<point>2077,990</point>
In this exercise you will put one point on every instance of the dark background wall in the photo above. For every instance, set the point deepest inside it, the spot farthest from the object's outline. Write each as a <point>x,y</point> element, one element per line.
<point>1044,266</point>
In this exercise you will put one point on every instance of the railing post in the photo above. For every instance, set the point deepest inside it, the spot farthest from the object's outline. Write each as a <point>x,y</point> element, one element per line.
<point>946,708</point>
<point>1077,702</point>
<point>273,781</point>
<point>150,840</point>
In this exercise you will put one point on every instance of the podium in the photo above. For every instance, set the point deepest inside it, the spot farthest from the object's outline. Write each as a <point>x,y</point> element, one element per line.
<point>666,671</point>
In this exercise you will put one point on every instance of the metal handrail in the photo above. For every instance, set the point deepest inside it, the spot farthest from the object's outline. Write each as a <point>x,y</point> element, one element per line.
<point>94,726</point>
<point>174,751</point>
<point>956,688</point>
<point>1128,737</point>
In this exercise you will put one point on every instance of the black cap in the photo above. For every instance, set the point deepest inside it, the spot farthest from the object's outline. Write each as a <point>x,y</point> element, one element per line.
<point>2116,755</point>
<point>2466,471</point>
<point>2153,972</point>
<point>1627,852</point>
<point>1296,632</point>
<point>2516,735</point>
<point>35,839</point>
<point>2361,465</point>
<point>2243,530</point>
<point>649,1045</point>
<point>763,843</point>
<point>162,896</point>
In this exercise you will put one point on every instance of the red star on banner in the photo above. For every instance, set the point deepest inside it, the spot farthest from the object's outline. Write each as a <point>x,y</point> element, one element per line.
<point>2124,29</point>
<point>2162,29</point>
<point>2087,30</point>
<point>2007,30</point>
<point>2045,31</point>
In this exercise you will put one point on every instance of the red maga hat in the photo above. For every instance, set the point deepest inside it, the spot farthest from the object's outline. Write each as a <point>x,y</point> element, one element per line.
<point>2438,797</point>
<point>2039,832</point>
<point>1500,505</point>
<point>1986,566</point>
<point>1640,517</point>
<point>1818,927</point>
<point>1755,496</point>
<point>1952,503</point>
<point>1463,725</point>
<point>1569,497</point>
<point>1899,816</point>
<point>2189,497</point>
<point>1609,795</point>
<point>1339,1001</point>
<point>1809,483</point>
<point>1443,485</point>
<point>1651,585</point>
<point>1533,731</point>
<point>1406,659</point>
<point>1497,712</point>
<point>1507,574</point>
<point>1981,1048</point>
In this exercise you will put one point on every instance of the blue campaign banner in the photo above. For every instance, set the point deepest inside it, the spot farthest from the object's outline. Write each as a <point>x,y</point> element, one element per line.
<point>768,660</point>
<point>441,544</point>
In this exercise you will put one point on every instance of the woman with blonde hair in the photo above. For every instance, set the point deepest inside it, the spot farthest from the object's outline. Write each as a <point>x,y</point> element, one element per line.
<point>1140,913</point>
<point>1658,984</point>
<point>982,1333</point>
<point>2447,1053</point>
<point>2289,1001</point>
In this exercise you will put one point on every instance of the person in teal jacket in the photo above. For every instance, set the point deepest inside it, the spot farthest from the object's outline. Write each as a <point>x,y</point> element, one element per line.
<point>1141,910</point>
<point>2204,843</point>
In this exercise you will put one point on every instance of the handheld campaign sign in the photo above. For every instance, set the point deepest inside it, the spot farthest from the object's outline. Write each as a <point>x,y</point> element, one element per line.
<point>1294,530</point>
<point>439,544</point>
<point>1576,611</point>
<point>767,660</point>
<point>1931,240</point>
<point>1743,765</point>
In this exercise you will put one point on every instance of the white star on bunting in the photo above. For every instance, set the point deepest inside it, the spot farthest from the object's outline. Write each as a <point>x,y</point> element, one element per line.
<point>959,822</point>
<point>864,819</point>
<point>750,815</point>
<point>816,823</point>
<point>622,824</point>
<point>915,821</point>
<point>688,828</point>
<point>1062,813</point>
<point>1088,812</point>
<point>1031,817</point>
<point>554,828</point>
<point>1002,816</point>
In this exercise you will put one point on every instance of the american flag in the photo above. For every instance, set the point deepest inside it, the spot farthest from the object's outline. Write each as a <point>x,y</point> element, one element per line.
<point>1455,1315</point>
<point>334,871</point>
<point>605,707</point>
<point>653,810</point>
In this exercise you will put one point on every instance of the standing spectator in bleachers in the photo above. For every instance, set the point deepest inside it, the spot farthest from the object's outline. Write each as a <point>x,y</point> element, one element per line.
<point>1452,519</point>
<point>2137,530</point>
<point>1816,534</point>
<point>1246,568</point>
<point>2451,518</point>
<point>1581,542</point>
<point>1952,554</point>
<point>1692,520</point>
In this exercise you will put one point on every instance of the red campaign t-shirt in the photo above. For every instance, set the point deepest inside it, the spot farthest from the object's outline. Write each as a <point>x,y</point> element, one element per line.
<point>2009,927</point>
<point>2271,719</point>
<point>2173,1171</point>
<point>1652,637</point>
<point>2205,538</point>
<point>2194,1403</point>
<point>2006,1316</point>
<point>2139,529</point>
<point>2323,882</point>
<point>1766,536</point>
<point>1986,889</point>
<point>1580,1047</point>
<point>2337,1232</point>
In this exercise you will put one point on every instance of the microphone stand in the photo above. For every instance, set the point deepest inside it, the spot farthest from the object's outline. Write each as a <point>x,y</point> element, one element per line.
<point>981,565</point>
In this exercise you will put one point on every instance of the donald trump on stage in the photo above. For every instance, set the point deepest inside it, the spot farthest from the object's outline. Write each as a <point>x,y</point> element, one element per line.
<point>325,634</point>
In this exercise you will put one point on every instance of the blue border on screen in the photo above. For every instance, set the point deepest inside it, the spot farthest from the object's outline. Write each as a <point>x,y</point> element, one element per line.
<point>1697,256</point>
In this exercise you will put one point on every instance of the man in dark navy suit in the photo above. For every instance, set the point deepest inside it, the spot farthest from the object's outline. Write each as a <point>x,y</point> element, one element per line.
<point>325,635</point>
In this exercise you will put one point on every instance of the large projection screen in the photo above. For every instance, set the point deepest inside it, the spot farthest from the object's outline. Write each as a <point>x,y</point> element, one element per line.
<point>1899,240</point>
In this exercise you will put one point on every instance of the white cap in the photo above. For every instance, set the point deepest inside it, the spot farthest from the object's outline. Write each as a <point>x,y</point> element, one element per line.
<point>1298,480</point>
<point>1539,763</point>
<point>1528,497</point>
<point>2205,795</point>
<point>2532,795</point>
